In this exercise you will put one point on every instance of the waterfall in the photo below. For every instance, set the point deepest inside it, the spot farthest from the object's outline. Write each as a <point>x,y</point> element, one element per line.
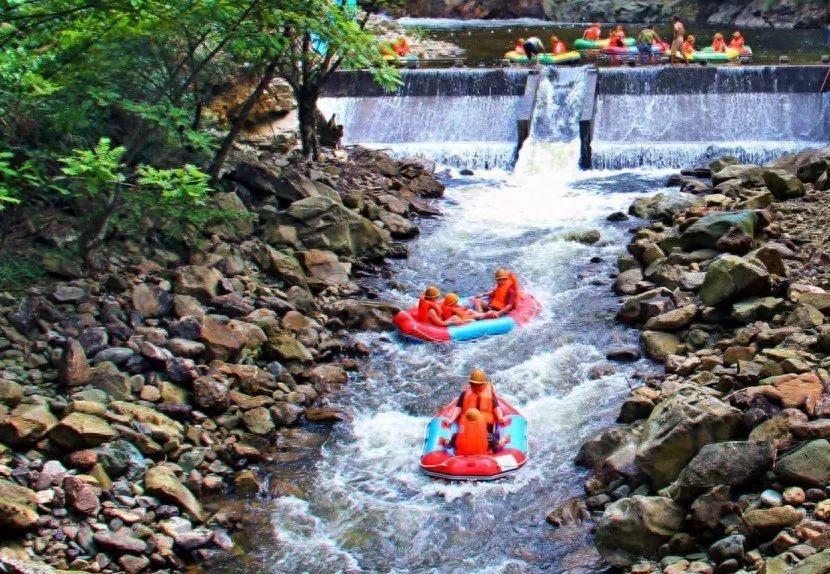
<point>461,118</point>
<point>665,117</point>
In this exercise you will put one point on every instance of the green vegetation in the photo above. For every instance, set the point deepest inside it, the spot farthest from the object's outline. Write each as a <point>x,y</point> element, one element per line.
<point>102,102</point>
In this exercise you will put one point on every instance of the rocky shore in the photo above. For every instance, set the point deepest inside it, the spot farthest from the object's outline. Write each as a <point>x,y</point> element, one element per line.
<point>722,464</point>
<point>128,398</point>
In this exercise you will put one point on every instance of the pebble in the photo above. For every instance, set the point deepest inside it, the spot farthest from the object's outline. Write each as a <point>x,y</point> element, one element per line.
<point>772,498</point>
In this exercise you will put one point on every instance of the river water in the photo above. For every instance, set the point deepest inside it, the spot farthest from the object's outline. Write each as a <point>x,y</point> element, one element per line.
<point>363,505</point>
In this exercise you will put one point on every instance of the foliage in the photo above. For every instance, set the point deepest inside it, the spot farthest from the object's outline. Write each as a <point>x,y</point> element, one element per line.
<point>19,271</point>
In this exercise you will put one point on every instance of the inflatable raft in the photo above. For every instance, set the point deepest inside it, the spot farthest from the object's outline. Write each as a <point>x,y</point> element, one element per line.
<point>439,460</point>
<point>707,54</point>
<point>581,44</point>
<point>408,324</point>
<point>408,61</point>
<point>547,58</point>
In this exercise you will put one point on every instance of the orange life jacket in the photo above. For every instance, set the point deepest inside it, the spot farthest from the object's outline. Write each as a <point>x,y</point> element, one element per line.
<point>483,401</point>
<point>424,306</point>
<point>448,311</point>
<point>592,33</point>
<point>471,437</point>
<point>719,45</point>
<point>688,48</point>
<point>500,296</point>
<point>559,47</point>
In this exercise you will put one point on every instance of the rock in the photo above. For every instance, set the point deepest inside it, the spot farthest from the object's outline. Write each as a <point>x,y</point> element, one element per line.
<point>672,320</point>
<point>133,564</point>
<point>17,506</point>
<point>107,377</point>
<point>119,542</point>
<point>11,393</point>
<point>82,495</point>
<point>258,421</point>
<point>325,267</point>
<point>197,281</point>
<point>631,528</point>
<point>727,463</point>
<point>735,241</point>
<point>399,226</point>
<point>750,175</point>
<point>222,341</point>
<point>756,309</point>
<point>766,522</point>
<point>121,457</point>
<point>78,431</point>
<point>26,424</point>
<point>678,428</point>
<point>707,509</point>
<point>730,277</point>
<point>808,465</point>
<point>246,482</point>
<point>662,206</point>
<point>782,184</point>
<point>625,354</point>
<point>626,282</point>
<point>586,237</point>
<point>161,481</point>
<point>151,300</point>
<point>709,229</point>
<point>363,315</point>
<point>211,394</point>
<point>74,368</point>
<point>659,345</point>
<point>284,347</point>
<point>252,336</point>
<point>185,347</point>
<point>731,547</point>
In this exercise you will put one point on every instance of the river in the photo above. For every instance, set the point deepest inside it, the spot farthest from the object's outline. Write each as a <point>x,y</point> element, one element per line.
<point>362,505</point>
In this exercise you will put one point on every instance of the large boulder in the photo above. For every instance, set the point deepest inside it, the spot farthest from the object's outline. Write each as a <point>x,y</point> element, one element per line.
<point>659,345</point>
<point>750,175</point>
<point>636,527</point>
<point>323,223</point>
<point>77,431</point>
<point>730,277</point>
<point>26,424</point>
<point>808,465</point>
<point>706,231</point>
<point>679,427</point>
<point>197,281</point>
<point>730,463</point>
<point>363,315</point>
<point>662,206</point>
<point>782,184</point>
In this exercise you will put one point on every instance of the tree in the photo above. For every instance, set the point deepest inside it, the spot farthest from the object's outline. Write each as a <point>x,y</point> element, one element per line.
<point>306,65</point>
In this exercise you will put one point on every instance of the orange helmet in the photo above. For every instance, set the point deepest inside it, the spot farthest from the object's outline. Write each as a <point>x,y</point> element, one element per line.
<point>478,377</point>
<point>432,292</point>
<point>502,274</point>
<point>451,299</point>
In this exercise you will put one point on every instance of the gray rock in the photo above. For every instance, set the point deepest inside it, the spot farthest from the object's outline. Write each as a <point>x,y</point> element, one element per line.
<point>808,465</point>
<point>730,463</point>
<point>118,542</point>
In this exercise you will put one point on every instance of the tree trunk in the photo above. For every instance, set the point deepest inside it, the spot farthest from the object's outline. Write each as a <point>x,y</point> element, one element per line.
<point>306,108</point>
<point>239,121</point>
<point>95,233</point>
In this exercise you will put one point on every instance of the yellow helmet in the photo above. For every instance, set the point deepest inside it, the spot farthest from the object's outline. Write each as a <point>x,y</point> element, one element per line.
<point>432,292</point>
<point>502,274</point>
<point>479,377</point>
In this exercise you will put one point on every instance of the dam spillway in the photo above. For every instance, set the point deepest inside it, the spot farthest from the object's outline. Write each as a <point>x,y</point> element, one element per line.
<point>657,116</point>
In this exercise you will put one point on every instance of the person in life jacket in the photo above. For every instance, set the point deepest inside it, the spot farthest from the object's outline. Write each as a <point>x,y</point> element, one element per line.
<point>557,46</point>
<point>450,307</point>
<point>689,46</point>
<point>520,46</point>
<point>617,37</point>
<point>737,41</point>
<point>718,43</point>
<point>471,438</point>
<point>479,394</point>
<point>502,299</point>
<point>593,33</point>
<point>429,308</point>
<point>401,47</point>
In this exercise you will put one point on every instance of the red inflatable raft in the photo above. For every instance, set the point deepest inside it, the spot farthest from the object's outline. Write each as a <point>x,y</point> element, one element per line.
<point>440,461</point>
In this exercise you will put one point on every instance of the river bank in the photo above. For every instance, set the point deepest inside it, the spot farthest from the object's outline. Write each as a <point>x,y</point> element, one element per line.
<point>722,464</point>
<point>130,396</point>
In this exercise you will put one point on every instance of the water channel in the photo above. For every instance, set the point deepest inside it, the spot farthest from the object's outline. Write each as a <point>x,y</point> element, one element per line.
<point>364,506</point>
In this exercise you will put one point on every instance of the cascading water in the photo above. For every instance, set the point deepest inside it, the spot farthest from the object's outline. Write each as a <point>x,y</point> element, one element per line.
<point>645,125</point>
<point>448,116</point>
<point>364,506</point>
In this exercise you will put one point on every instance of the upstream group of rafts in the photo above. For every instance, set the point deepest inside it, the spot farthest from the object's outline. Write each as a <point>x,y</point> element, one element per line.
<point>506,449</point>
<point>600,50</point>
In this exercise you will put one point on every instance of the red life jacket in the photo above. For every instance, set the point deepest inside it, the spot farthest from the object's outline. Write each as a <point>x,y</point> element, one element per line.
<point>719,45</point>
<point>424,306</point>
<point>471,438</point>
<point>500,296</point>
<point>592,33</point>
<point>483,401</point>
<point>737,43</point>
<point>559,47</point>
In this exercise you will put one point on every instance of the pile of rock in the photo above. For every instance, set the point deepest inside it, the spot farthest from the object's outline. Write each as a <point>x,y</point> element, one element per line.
<point>125,398</point>
<point>723,464</point>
